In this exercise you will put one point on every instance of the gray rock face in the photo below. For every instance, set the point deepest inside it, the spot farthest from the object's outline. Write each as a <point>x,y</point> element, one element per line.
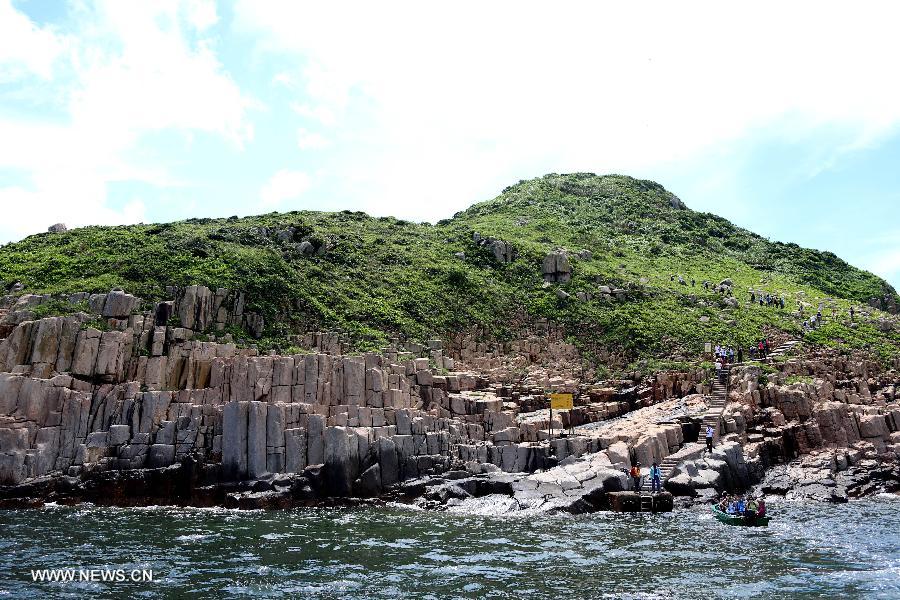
<point>390,464</point>
<point>234,439</point>
<point>339,478</point>
<point>194,309</point>
<point>813,479</point>
<point>295,445</point>
<point>556,267</point>
<point>256,440</point>
<point>119,434</point>
<point>316,440</point>
<point>160,455</point>
<point>166,433</point>
<point>58,228</point>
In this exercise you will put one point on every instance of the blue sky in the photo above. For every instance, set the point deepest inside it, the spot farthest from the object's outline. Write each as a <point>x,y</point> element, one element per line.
<point>784,119</point>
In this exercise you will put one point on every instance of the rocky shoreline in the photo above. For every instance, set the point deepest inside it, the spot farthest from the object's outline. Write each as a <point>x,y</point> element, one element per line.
<point>124,407</point>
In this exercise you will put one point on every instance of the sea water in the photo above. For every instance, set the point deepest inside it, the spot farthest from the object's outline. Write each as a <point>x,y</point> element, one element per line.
<point>809,550</point>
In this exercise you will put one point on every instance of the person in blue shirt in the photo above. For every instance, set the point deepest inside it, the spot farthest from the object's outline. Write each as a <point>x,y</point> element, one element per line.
<point>655,478</point>
<point>739,509</point>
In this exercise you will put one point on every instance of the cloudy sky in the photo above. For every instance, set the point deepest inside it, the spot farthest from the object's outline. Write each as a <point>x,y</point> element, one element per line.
<point>783,117</point>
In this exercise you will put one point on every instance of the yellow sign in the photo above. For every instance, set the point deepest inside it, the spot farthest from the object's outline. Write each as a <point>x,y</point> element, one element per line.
<point>561,401</point>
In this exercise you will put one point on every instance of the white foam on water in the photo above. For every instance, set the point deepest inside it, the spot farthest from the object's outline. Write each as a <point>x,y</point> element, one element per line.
<point>194,537</point>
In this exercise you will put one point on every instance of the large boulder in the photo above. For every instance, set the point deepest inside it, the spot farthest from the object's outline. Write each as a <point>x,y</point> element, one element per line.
<point>503,251</point>
<point>619,456</point>
<point>369,483</point>
<point>873,426</point>
<point>119,305</point>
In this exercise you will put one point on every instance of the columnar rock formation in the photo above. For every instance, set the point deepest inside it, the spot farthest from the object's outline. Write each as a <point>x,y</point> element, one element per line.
<point>123,386</point>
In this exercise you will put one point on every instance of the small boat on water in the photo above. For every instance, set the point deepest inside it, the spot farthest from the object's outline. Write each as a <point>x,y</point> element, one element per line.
<point>739,519</point>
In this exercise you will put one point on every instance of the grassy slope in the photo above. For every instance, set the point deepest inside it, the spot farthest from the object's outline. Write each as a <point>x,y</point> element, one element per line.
<point>384,277</point>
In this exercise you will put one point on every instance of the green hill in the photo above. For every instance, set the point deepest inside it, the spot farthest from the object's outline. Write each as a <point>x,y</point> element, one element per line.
<point>376,278</point>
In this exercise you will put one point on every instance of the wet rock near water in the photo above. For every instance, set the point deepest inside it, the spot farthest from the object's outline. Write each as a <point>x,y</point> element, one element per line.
<point>832,477</point>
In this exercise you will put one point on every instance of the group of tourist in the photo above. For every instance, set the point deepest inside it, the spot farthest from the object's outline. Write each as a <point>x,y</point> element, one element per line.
<point>815,321</point>
<point>761,349</point>
<point>727,355</point>
<point>655,477</point>
<point>766,299</point>
<point>749,508</point>
<point>725,290</point>
<point>683,281</point>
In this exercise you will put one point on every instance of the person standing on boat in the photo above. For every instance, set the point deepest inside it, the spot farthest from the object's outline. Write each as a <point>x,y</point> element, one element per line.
<point>636,476</point>
<point>655,479</point>
<point>710,434</point>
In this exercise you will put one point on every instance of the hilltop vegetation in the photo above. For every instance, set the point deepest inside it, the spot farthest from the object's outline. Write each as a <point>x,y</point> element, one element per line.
<point>375,278</point>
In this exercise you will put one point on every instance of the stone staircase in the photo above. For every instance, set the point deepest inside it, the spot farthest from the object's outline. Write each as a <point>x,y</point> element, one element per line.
<point>715,406</point>
<point>666,468</point>
<point>781,350</point>
<point>718,397</point>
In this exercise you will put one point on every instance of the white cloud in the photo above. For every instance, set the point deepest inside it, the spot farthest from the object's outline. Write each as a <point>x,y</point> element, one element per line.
<point>310,140</point>
<point>201,14</point>
<point>24,47</point>
<point>159,80</point>
<point>284,185</point>
<point>284,79</point>
<point>125,71</point>
<point>320,113</point>
<point>477,95</point>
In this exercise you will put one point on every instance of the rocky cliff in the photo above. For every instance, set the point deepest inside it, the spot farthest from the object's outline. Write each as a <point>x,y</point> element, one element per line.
<point>302,356</point>
<point>117,390</point>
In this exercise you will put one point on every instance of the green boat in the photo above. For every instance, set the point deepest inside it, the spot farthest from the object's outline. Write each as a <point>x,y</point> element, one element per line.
<point>739,520</point>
